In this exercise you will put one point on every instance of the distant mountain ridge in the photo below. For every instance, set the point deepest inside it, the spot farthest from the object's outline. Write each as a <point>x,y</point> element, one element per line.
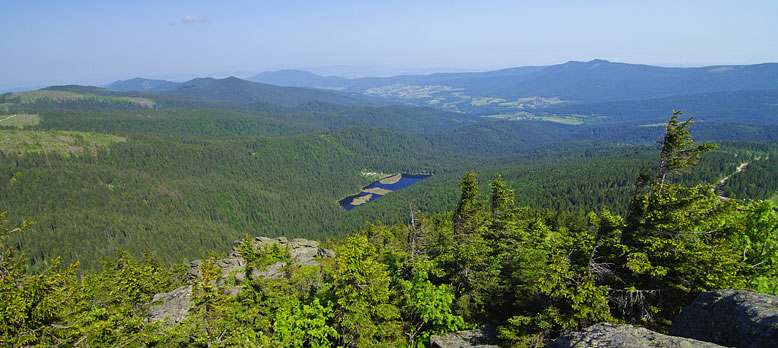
<point>297,78</point>
<point>579,92</point>
<point>746,106</point>
<point>139,84</point>
<point>250,109</point>
<point>235,90</point>
<point>594,81</point>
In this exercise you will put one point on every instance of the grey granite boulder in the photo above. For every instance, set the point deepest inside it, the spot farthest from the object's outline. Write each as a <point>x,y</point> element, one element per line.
<point>731,318</point>
<point>607,335</point>
<point>302,250</point>
<point>175,304</point>
<point>172,305</point>
<point>481,338</point>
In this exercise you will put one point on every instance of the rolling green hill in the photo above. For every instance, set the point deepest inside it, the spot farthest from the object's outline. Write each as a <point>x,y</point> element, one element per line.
<point>235,90</point>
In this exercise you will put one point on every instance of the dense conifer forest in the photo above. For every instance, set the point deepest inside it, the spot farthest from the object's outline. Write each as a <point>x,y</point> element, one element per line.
<point>369,174</point>
<point>532,227</point>
<point>533,273</point>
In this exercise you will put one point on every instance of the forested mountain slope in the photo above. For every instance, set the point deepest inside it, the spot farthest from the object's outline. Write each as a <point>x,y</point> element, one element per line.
<point>96,109</point>
<point>533,274</point>
<point>232,89</point>
<point>180,195</point>
<point>746,106</point>
<point>181,169</point>
<point>593,81</point>
<point>594,92</point>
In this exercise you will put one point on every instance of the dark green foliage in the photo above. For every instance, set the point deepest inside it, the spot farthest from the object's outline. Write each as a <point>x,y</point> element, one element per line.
<point>758,238</point>
<point>533,274</point>
<point>233,89</point>
<point>676,242</point>
<point>469,213</point>
<point>501,200</point>
<point>196,175</point>
<point>302,325</point>
<point>513,269</point>
<point>364,310</point>
<point>51,306</point>
<point>181,196</point>
<point>31,302</point>
<point>757,180</point>
<point>678,152</point>
<point>427,306</point>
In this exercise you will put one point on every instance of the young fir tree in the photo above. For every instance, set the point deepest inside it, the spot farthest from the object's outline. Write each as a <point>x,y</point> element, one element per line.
<point>473,271</point>
<point>501,202</point>
<point>32,303</point>
<point>364,313</point>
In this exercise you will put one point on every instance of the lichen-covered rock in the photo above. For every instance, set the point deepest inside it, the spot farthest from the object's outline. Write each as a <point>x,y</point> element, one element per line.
<point>172,305</point>
<point>304,252</point>
<point>481,338</point>
<point>607,335</point>
<point>731,318</point>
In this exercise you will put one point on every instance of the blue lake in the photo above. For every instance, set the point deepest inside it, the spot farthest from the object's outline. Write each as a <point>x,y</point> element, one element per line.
<point>380,188</point>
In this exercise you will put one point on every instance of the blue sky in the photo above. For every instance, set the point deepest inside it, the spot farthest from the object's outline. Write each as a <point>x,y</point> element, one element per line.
<point>97,42</point>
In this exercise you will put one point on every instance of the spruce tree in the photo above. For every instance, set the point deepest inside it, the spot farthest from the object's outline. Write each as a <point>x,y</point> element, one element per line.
<point>675,242</point>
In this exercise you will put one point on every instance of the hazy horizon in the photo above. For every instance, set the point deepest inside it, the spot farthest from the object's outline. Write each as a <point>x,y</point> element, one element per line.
<point>96,43</point>
<point>339,71</point>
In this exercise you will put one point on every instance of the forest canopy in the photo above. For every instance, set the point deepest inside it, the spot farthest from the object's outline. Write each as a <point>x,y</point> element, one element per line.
<point>534,274</point>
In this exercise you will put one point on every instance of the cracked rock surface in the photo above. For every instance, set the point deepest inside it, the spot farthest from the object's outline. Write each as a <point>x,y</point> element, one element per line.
<point>734,318</point>
<point>481,338</point>
<point>174,305</point>
<point>607,335</point>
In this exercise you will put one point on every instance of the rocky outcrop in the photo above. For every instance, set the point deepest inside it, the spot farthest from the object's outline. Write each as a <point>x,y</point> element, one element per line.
<point>304,252</point>
<point>606,335</point>
<point>481,338</point>
<point>175,304</point>
<point>731,318</point>
<point>724,318</point>
<point>171,305</point>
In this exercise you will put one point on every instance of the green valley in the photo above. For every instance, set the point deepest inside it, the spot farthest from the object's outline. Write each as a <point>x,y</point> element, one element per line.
<point>389,174</point>
<point>133,186</point>
<point>207,171</point>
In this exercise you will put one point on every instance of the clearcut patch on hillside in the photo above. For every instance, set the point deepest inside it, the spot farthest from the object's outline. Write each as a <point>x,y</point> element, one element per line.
<point>19,120</point>
<point>66,143</point>
<point>32,97</point>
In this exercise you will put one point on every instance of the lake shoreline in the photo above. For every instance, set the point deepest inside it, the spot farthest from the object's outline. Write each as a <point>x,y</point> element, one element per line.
<point>381,188</point>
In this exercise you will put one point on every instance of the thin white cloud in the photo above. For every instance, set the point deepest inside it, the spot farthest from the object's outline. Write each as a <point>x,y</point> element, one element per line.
<point>193,19</point>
